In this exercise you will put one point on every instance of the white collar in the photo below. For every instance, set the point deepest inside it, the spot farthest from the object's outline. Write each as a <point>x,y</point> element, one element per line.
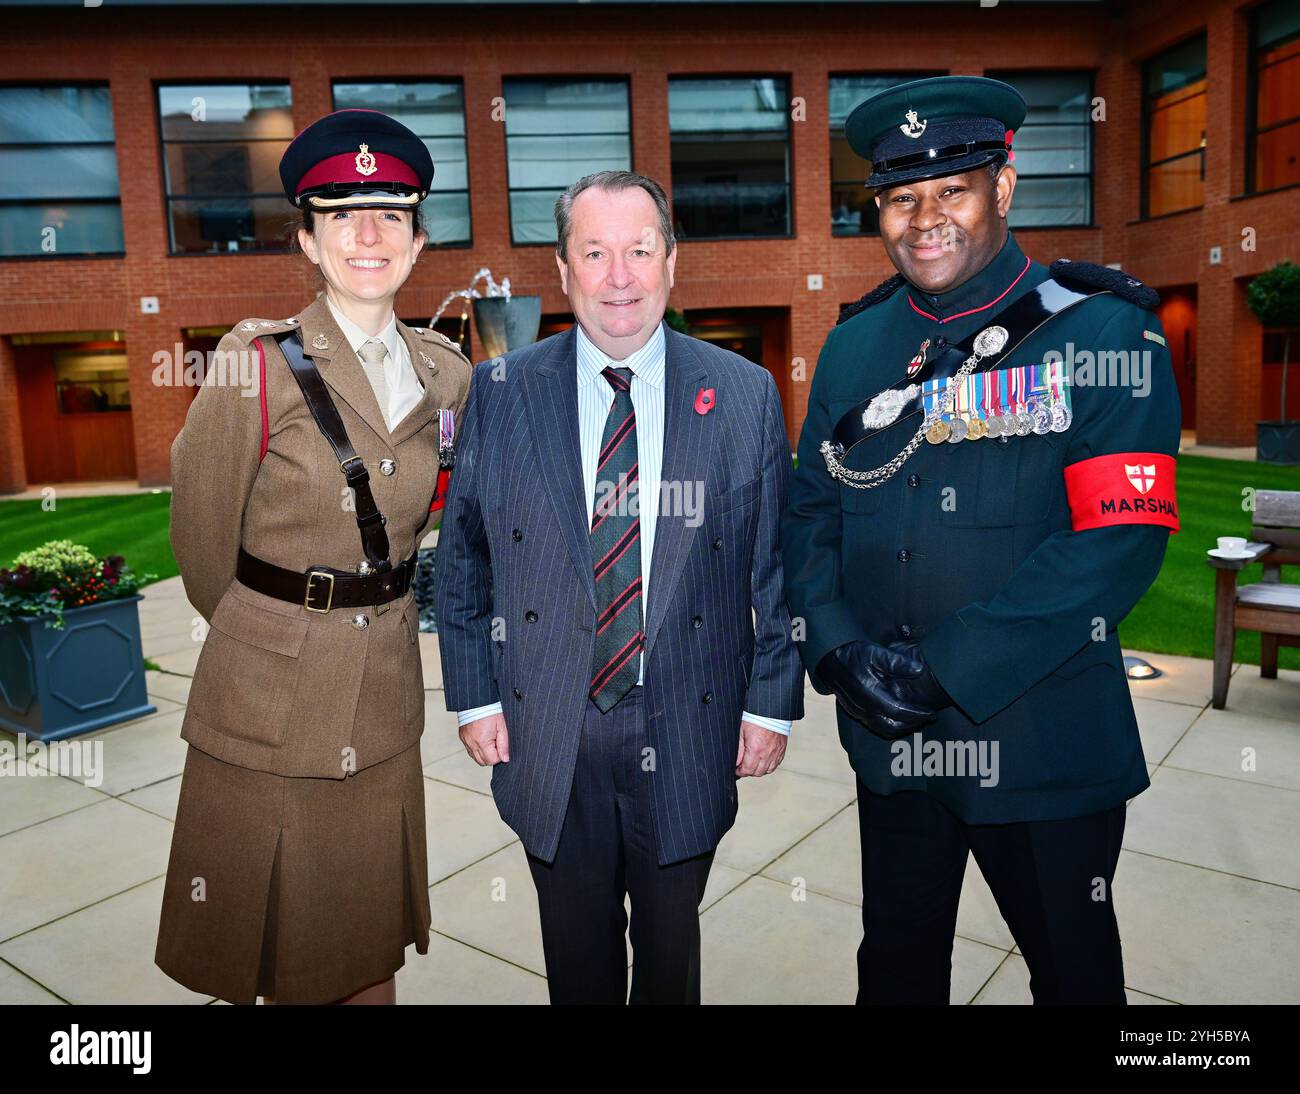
<point>646,363</point>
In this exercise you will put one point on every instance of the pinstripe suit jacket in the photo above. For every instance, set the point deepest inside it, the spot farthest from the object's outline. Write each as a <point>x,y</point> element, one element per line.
<point>514,552</point>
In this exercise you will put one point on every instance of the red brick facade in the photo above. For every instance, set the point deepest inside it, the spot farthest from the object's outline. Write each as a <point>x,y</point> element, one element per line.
<point>130,48</point>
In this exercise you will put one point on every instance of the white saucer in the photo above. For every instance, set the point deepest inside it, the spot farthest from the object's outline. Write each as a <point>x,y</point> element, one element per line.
<point>1224,555</point>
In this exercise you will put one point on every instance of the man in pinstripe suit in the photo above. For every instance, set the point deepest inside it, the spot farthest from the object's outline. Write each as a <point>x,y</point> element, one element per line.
<point>613,627</point>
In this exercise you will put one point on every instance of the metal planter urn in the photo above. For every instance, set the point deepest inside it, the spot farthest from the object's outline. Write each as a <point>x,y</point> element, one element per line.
<point>57,683</point>
<point>507,322</point>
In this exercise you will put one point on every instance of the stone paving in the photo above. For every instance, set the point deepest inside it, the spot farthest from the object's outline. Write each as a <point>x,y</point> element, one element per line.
<point>1207,892</point>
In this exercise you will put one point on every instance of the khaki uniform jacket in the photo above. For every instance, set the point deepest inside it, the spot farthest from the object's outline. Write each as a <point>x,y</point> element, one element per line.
<point>279,688</point>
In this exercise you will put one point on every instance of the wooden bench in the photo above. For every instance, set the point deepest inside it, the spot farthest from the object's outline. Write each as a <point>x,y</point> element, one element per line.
<point>1267,606</point>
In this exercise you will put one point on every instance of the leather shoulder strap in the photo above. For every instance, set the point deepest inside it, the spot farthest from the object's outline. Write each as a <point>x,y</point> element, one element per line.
<point>370,521</point>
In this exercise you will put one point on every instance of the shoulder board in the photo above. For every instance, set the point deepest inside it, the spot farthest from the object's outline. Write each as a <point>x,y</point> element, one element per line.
<point>437,342</point>
<point>1089,275</point>
<point>248,329</point>
<point>880,292</point>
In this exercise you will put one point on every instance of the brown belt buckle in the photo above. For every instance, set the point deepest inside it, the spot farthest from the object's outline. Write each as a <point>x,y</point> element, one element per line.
<point>329,599</point>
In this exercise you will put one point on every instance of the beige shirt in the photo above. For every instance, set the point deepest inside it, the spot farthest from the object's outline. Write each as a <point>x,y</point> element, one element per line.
<point>401,391</point>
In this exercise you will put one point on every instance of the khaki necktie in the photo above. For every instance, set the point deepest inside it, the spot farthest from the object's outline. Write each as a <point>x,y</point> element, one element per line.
<point>373,353</point>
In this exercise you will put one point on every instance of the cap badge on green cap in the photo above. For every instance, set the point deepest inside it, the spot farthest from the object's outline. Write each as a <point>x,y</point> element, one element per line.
<point>913,128</point>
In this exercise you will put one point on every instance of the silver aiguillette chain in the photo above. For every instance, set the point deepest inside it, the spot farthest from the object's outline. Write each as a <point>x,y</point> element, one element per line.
<point>988,342</point>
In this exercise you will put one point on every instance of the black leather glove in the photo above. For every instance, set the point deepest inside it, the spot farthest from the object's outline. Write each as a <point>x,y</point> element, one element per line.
<point>890,689</point>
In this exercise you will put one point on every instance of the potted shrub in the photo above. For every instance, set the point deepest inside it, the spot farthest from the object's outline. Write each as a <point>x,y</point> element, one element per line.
<point>1274,298</point>
<point>70,653</point>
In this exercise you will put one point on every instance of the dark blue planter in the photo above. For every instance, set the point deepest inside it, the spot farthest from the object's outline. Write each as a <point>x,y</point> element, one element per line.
<point>90,674</point>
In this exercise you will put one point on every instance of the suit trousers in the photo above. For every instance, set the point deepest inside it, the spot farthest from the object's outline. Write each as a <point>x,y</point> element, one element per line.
<point>606,852</point>
<point>1051,880</point>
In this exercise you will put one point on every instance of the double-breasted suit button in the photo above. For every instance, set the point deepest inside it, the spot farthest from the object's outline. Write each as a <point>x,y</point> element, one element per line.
<point>904,554</point>
<point>717,544</point>
<point>697,622</point>
<point>516,535</point>
<point>387,467</point>
<point>707,697</point>
<point>361,622</point>
<point>517,693</point>
<point>530,616</point>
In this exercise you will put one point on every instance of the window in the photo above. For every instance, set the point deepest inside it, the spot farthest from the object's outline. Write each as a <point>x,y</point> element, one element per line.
<point>731,157</point>
<point>59,190</point>
<point>434,112</point>
<point>853,207</point>
<point>1173,173</point>
<point>1273,125</point>
<point>221,146</point>
<point>91,381</point>
<point>557,131</point>
<point>1053,150</point>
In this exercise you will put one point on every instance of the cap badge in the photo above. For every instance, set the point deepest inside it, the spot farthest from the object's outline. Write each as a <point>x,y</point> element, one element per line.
<point>913,128</point>
<point>365,161</point>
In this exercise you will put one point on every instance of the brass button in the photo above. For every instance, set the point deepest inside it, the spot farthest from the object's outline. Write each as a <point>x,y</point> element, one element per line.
<point>387,467</point>
<point>361,622</point>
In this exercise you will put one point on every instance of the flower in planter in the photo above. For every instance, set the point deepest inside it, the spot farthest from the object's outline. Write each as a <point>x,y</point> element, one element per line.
<point>59,575</point>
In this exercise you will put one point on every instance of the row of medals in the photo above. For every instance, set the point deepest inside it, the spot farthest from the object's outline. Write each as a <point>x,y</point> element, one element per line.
<point>1041,415</point>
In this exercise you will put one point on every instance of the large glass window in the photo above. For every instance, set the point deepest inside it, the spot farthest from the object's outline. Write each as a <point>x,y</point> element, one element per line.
<point>221,147</point>
<point>853,208</point>
<point>1273,125</point>
<point>59,189</point>
<point>91,381</point>
<point>1173,172</point>
<point>557,131</point>
<point>731,156</point>
<point>1053,150</point>
<point>435,112</point>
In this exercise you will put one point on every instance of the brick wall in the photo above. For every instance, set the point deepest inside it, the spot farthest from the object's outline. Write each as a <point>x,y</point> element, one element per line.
<point>131,48</point>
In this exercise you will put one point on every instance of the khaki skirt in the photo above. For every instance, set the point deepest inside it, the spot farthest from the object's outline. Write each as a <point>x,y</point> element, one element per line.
<point>303,889</point>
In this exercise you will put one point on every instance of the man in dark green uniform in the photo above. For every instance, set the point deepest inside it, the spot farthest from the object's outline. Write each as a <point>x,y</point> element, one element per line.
<point>985,489</point>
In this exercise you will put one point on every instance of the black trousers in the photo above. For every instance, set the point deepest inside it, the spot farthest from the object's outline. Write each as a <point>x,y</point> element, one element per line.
<point>607,852</point>
<point>1051,880</point>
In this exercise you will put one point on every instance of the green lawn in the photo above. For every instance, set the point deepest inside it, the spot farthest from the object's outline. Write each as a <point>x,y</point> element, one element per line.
<point>1176,616</point>
<point>131,525</point>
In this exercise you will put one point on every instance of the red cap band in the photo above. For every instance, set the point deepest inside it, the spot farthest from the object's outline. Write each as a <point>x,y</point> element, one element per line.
<point>343,168</point>
<point>1123,488</point>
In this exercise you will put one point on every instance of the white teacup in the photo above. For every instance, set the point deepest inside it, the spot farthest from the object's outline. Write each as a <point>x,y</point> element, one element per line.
<point>1232,545</point>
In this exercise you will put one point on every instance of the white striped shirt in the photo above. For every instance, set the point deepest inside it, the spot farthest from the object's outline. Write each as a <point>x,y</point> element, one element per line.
<point>595,397</point>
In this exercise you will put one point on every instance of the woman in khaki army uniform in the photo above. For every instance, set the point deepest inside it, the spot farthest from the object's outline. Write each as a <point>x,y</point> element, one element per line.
<point>298,862</point>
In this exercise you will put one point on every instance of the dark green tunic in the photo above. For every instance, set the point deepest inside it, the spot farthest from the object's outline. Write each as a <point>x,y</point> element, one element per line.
<point>972,550</point>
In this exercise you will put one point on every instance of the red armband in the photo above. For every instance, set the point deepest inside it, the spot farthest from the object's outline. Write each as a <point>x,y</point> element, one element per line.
<point>440,490</point>
<point>261,397</point>
<point>1123,488</point>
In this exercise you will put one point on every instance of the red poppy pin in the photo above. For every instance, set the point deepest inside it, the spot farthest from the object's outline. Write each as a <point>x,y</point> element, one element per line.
<point>704,400</point>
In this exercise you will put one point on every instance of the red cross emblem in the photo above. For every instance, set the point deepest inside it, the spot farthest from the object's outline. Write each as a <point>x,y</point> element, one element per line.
<point>1141,475</point>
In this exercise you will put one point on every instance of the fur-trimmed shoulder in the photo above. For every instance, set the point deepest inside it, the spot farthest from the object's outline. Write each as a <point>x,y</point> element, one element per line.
<point>882,291</point>
<point>1089,275</point>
